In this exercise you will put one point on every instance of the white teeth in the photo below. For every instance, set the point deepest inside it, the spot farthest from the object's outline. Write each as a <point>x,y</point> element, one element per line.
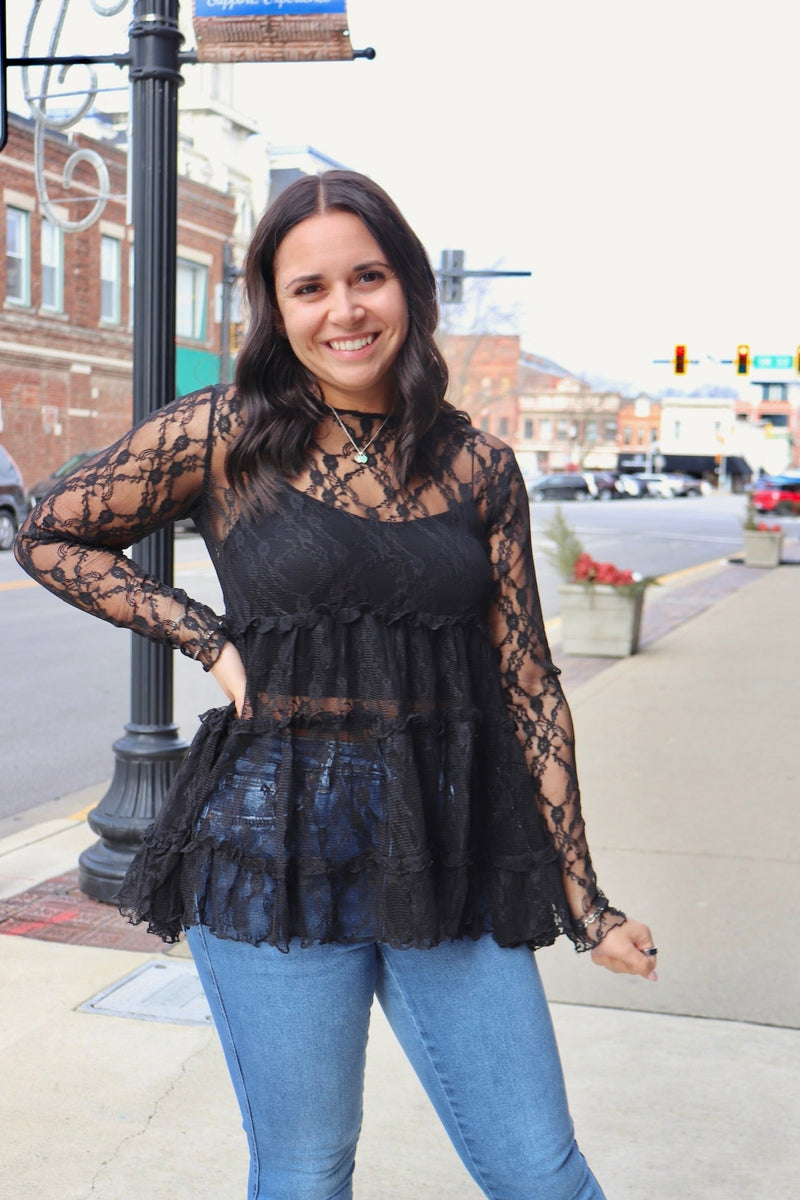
<point>354,343</point>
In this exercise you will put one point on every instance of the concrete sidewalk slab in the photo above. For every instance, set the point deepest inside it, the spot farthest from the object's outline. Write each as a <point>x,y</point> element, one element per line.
<point>689,767</point>
<point>33,855</point>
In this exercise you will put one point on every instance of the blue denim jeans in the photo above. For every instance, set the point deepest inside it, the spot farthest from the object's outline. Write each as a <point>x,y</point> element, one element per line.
<point>472,1019</point>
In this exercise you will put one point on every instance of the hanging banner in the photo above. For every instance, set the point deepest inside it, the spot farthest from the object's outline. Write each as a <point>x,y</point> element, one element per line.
<point>271,30</point>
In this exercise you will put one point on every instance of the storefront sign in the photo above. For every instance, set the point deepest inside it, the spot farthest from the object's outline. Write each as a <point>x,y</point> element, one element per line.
<point>271,30</point>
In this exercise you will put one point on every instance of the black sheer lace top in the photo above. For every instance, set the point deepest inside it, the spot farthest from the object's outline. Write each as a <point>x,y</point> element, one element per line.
<point>403,768</point>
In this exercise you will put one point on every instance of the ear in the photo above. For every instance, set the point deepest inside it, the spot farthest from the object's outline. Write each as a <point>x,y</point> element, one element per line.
<point>280,328</point>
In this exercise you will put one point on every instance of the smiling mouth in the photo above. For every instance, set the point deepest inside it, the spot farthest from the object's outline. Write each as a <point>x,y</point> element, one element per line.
<point>353,343</point>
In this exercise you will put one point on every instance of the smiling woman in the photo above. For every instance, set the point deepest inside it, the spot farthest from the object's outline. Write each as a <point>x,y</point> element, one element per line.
<point>389,805</point>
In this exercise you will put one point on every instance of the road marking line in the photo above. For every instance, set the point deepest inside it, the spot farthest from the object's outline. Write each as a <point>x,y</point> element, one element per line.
<point>13,585</point>
<point>83,813</point>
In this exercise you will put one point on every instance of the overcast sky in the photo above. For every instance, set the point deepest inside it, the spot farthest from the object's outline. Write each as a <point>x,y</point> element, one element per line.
<point>640,159</point>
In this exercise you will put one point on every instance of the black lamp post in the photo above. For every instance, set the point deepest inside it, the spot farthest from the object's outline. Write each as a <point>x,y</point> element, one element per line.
<point>150,751</point>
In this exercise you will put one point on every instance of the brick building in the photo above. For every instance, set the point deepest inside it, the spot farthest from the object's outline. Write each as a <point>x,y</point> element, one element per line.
<point>639,429</point>
<point>66,297</point>
<point>484,380</point>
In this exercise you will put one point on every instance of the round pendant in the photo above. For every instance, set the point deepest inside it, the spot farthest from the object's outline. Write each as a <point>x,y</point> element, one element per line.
<point>361,457</point>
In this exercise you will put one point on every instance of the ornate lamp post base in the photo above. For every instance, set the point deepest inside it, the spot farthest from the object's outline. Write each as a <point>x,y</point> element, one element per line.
<point>147,759</point>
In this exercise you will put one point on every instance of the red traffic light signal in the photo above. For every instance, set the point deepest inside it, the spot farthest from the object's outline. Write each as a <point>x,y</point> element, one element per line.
<point>679,361</point>
<point>742,360</point>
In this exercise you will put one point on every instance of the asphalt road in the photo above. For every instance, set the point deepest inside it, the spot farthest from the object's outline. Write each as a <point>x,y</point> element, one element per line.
<point>65,676</point>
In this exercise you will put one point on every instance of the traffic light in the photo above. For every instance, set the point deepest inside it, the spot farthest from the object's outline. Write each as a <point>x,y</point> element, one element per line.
<point>679,361</point>
<point>742,360</point>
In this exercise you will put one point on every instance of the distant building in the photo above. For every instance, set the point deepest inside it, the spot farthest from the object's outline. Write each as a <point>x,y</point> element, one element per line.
<point>564,422</point>
<point>289,163</point>
<point>484,380</point>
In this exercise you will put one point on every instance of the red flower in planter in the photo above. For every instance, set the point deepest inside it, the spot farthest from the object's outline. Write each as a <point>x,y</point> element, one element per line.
<point>763,527</point>
<point>588,570</point>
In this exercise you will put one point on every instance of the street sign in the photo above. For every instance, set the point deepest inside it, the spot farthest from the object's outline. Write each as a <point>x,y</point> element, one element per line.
<point>272,31</point>
<point>773,362</point>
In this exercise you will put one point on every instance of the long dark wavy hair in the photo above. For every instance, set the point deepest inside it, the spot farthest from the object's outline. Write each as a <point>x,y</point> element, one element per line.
<point>281,398</point>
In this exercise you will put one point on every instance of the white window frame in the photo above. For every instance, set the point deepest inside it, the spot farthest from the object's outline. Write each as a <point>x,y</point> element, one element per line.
<point>110,279</point>
<point>22,257</point>
<point>54,235</point>
<point>191,300</point>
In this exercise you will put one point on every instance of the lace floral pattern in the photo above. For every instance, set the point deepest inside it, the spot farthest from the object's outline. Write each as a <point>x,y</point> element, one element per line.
<point>403,623</point>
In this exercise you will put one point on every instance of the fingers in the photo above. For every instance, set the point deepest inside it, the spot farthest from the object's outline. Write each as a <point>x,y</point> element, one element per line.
<point>628,949</point>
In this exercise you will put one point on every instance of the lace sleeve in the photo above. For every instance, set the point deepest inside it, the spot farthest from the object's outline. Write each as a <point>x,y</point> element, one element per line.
<point>533,692</point>
<point>73,541</point>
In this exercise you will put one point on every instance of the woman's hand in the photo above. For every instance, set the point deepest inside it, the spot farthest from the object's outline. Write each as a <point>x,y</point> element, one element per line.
<point>229,673</point>
<point>623,950</point>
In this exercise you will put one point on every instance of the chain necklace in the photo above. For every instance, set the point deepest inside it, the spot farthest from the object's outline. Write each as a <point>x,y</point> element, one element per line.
<point>360,454</point>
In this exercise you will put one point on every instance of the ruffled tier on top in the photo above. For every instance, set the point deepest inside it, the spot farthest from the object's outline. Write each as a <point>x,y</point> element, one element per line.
<point>342,811</point>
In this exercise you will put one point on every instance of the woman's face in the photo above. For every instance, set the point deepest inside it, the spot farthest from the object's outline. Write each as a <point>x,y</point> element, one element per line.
<point>342,308</point>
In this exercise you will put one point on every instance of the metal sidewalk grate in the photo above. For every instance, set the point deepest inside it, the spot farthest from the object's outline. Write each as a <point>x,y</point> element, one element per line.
<point>163,990</point>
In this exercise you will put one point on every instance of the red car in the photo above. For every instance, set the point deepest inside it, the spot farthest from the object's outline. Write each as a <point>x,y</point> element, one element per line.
<point>778,494</point>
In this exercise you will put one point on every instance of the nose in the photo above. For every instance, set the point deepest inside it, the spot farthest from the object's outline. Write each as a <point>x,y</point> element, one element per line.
<point>345,307</point>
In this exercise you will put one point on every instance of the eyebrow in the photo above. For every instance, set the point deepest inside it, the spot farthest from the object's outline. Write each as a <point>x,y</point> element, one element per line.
<point>315,278</point>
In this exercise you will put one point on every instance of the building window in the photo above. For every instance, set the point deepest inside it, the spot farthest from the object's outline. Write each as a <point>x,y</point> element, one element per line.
<point>485,424</point>
<point>626,435</point>
<point>610,431</point>
<point>18,256</point>
<point>591,431</point>
<point>527,428</point>
<point>52,267</point>
<point>676,431</point>
<point>545,429</point>
<point>192,285</point>
<point>562,428</point>
<point>502,427</point>
<point>109,279</point>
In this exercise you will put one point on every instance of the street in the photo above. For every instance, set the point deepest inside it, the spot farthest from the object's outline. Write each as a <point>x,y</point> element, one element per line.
<point>67,676</point>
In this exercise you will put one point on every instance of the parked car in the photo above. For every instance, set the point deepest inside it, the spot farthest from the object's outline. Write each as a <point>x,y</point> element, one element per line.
<point>570,485</point>
<point>41,488</point>
<point>656,485</point>
<point>603,485</point>
<point>13,500</point>
<point>685,485</point>
<point>631,486</point>
<point>777,494</point>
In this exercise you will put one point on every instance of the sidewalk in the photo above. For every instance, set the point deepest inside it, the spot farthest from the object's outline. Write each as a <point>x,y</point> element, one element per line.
<point>684,1090</point>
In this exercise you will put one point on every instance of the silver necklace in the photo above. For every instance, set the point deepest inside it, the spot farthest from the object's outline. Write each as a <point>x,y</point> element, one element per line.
<point>360,455</point>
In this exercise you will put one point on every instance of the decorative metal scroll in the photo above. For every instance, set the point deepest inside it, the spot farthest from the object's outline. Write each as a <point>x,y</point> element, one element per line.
<point>83,100</point>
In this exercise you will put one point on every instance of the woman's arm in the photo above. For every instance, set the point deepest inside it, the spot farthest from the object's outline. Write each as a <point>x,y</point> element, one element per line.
<point>73,541</point>
<point>537,705</point>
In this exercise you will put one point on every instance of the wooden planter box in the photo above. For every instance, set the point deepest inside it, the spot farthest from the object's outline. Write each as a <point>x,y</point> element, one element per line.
<point>762,549</point>
<point>600,621</point>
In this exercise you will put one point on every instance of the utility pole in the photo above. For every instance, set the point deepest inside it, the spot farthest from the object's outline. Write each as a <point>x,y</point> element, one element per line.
<point>452,273</point>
